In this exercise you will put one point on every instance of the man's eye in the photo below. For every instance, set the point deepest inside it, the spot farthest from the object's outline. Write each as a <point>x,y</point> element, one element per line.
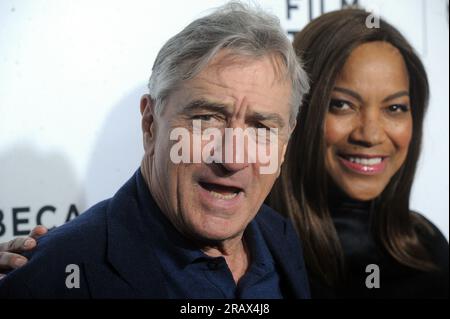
<point>260,125</point>
<point>339,105</point>
<point>398,108</point>
<point>203,117</point>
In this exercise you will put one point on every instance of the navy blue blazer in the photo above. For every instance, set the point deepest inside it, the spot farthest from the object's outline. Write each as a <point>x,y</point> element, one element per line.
<point>112,245</point>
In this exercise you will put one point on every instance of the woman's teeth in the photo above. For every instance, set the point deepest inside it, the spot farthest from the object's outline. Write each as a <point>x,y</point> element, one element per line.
<point>365,161</point>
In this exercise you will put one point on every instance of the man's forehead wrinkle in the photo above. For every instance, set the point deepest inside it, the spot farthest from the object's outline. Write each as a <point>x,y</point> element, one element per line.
<point>215,72</point>
<point>240,110</point>
<point>234,59</point>
<point>220,84</point>
<point>229,62</point>
<point>203,88</point>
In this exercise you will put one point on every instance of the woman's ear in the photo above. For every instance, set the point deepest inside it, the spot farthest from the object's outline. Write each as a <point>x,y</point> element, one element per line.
<point>147,107</point>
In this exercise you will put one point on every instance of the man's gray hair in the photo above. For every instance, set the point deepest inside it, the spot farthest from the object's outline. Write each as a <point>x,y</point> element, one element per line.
<point>244,30</point>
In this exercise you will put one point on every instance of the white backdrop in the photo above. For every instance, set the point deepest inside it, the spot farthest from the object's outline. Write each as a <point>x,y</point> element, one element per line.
<point>72,73</point>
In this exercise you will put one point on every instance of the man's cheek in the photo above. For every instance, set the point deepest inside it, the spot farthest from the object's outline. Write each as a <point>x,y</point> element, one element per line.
<point>269,158</point>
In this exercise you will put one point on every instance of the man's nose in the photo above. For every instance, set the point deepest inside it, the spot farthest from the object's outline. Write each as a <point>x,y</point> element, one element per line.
<point>369,129</point>
<point>234,167</point>
<point>235,149</point>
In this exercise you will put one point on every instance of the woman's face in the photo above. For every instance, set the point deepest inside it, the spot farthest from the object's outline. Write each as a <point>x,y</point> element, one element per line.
<point>368,126</point>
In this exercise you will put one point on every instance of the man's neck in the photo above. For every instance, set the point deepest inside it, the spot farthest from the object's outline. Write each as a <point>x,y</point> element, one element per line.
<point>235,253</point>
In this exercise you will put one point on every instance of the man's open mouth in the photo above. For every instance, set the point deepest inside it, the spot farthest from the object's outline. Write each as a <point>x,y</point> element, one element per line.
<point>221,191</point>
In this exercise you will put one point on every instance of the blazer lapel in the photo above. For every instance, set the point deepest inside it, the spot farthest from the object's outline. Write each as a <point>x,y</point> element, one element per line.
<point>130,245</point>
<point>287,253</point>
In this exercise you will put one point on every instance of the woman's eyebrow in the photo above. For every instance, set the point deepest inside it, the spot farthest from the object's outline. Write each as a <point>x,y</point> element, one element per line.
<point>349,92</point>
<point>396,95</point>
<point>360,99</point>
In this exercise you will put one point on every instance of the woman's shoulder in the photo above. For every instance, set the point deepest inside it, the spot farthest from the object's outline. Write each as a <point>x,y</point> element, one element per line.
<point>426,228</point>
<point>432,238</point>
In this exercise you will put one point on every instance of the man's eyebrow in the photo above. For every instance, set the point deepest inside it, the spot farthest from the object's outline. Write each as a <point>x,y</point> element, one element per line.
<point>396,95</point>
<point>263,117</point>
<point>349,92</point>
<point>205,105</point>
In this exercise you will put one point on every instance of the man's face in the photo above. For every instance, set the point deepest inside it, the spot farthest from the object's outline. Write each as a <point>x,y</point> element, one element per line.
<point>216,201</point>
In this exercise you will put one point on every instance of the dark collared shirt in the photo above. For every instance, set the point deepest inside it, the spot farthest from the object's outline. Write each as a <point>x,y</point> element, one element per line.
<point>192,274</point>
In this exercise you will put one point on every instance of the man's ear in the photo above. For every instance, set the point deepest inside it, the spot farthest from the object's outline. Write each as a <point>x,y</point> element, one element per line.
<point>147,107</point>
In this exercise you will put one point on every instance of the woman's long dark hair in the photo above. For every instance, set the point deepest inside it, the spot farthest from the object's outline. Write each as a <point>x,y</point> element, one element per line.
<point>301,190</point>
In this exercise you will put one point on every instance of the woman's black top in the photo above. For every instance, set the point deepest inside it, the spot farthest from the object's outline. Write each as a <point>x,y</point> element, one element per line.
<point>386,278</point>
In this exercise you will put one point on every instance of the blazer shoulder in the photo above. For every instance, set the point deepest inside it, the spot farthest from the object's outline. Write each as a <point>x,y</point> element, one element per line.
<point>277,226</point>
<point>276,223</point>
<point>76,235</point>
<point>73,244</point>
<point>269,216</point>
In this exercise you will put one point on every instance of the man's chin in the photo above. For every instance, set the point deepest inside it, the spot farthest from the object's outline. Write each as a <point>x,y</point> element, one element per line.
<point>217,234</point>
<point>217,225</point>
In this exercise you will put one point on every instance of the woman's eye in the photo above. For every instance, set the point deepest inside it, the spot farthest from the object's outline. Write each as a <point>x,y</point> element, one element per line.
<point>398,108</point>
<point>339,105</point>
